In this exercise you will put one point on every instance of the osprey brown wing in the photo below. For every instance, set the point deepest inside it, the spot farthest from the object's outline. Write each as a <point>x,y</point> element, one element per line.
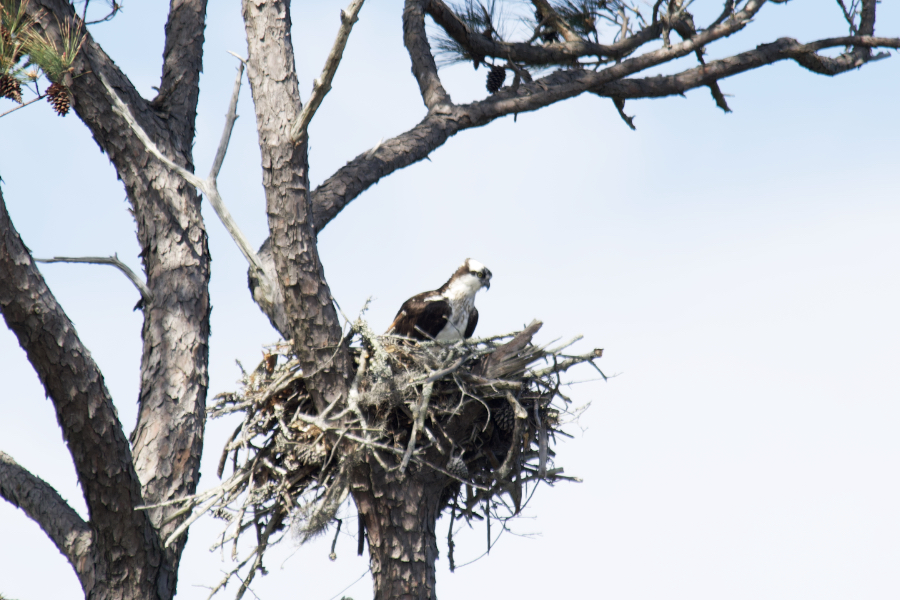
<point>473,321</point>
<point>419,319</point>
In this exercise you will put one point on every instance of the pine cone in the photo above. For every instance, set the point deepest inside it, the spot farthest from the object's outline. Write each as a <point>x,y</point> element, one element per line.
<point>505,418</point>
<point>58,97</point>
<point>457,467</point>
<point>10,88</point>
<point>496,78</point>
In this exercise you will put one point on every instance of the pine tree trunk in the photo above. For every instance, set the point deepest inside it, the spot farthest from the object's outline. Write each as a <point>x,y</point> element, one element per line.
<point>400,514</point>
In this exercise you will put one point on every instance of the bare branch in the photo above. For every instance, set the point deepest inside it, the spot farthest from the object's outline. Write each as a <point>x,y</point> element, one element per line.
<point>230,118</point>
<point>23,105</point>
<point>850,14</point>
<point>113,260</point>
<point>764,54</point>
<point>207,186</point>
<point>417,143</point>
<point>421,411</point>
<point>43,505</point>
<point>685,28</point>
<point>322,85</point>
<point>84,409</point>
<point>424,68</point>
<point>123,111</point>
<point>363,171</point>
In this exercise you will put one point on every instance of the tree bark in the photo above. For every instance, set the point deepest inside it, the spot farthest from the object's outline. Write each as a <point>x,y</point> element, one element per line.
<point>167,439</point>
<point>311,316</point>
<point>400,513</point>
<point>43,504</point>
<point>125,559</point>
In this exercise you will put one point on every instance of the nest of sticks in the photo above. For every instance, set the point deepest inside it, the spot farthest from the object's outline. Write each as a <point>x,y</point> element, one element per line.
<point>484,414</point>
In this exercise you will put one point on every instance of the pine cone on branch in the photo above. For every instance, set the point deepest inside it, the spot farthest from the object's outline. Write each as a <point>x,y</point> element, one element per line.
<point>58,97</point>
<point>495,78</point>
<point>10,88</point>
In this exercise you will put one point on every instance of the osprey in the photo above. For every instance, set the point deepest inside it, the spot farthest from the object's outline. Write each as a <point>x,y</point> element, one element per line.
<point>448,313</point>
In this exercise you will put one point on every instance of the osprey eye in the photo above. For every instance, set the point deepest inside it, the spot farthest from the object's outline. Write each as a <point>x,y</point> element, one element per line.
<point>480,274</point>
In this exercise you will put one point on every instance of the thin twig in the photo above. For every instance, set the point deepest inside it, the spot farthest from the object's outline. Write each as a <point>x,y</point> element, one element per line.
<point>230,118</point>
<point>113,260</point>
<point>208,186</point>
<point>32,101</point>
<point>421,411</point>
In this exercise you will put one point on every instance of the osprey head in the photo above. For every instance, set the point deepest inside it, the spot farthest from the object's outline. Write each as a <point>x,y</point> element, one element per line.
<point>467,280</point>
<point>479,271</point>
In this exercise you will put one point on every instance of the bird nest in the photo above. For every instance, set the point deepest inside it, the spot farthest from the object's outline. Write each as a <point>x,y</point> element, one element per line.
<point>481,414</point>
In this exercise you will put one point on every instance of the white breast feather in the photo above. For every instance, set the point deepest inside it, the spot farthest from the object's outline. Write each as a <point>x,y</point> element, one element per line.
<point>461,296</point>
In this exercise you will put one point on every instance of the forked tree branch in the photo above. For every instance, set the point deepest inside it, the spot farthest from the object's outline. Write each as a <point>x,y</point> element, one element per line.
<point>207,186</point>
<point>322,85</point>
<point>614,82</point>
<point>43,505</point>
<point>84,409</point>
<point>174,360</point>
<point>113,260</point>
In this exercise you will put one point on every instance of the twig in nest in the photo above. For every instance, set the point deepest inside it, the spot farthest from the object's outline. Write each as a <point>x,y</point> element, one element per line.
<point>481,399</point>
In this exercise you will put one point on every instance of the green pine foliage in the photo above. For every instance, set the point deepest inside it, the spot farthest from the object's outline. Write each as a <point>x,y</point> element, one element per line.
<point>597,21</point>
<point>26,55</point>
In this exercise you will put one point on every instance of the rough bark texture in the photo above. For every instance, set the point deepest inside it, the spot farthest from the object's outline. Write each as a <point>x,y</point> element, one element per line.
<point>400,513</point>
<point>424,68</point>
<point>312,318</point>
<point>126,557</point>
<point>43,505</point>
<point>167,439</point>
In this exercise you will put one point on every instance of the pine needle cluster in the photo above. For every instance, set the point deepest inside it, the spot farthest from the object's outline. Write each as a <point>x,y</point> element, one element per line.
<point>27,54</point>
<point>593,21</point>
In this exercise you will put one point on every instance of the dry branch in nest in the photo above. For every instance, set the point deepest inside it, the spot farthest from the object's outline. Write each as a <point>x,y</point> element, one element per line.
<point>482,415</point>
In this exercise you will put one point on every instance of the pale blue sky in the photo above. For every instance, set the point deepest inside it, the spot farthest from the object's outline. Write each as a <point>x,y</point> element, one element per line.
<point>740,270</point>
